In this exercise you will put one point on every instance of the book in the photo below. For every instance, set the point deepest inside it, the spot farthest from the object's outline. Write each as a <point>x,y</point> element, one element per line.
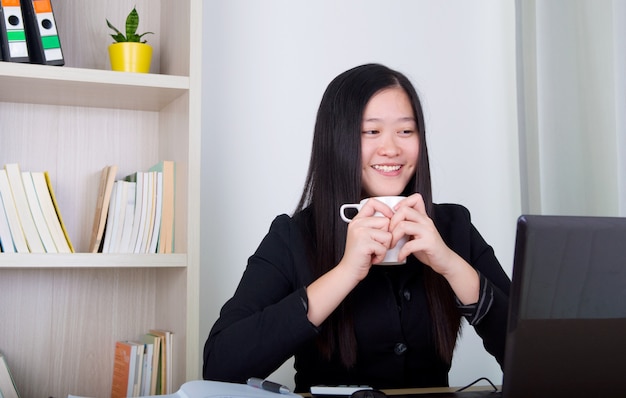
<point>113,224</point>
<point>33,239</point>
<point>157,212</point>
<point>138,376</point>
<point>111,219</point>
<point>6,240</point>
<point>17,233</point>
<point>37,213</point>
<point>144,199</point>
<point>124,364</point>
<point>129,216</point>
<point>155,342</point>
<point>107,179</point>
<point>57,209</point>
<point>158,371</point>
<point>165,365</point>
<point>166,233</point>
<point>148,360</point>
<point>136,231</point>
<point>150,211</point>
<point>7,384</point>
<point>45,194</point>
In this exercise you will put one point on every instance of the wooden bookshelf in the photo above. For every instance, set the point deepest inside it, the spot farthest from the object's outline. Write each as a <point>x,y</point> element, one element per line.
<point>60,314</point>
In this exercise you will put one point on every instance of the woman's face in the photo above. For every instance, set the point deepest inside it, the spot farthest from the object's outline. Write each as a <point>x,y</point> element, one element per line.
<point>389,143</point>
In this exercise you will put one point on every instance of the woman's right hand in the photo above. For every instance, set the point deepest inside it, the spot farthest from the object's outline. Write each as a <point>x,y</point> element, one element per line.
<point>367,242</point>
<point>368,238</point>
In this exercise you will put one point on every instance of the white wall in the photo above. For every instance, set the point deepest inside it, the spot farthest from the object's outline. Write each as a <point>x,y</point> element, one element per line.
<point>266,65</point>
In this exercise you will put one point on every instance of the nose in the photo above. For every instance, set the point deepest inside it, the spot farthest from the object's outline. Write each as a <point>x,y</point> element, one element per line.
<point>388,145</point>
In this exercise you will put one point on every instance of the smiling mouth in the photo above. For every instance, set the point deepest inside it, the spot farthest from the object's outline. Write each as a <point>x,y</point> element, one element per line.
<point>386,169</point>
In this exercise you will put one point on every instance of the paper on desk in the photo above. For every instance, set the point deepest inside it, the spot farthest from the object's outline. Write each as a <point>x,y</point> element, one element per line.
<point>217,389</point>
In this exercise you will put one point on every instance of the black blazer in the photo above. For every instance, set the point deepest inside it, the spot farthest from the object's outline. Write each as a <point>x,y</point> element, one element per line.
<point>265,322</point>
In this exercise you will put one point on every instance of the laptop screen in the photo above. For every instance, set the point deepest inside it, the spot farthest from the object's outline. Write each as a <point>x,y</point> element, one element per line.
<point>567,316</point>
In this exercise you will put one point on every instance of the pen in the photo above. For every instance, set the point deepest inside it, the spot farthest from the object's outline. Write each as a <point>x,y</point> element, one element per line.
<point>267,385</point>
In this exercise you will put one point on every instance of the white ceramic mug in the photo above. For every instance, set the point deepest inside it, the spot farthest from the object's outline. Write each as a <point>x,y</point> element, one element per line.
<point>391,258</point>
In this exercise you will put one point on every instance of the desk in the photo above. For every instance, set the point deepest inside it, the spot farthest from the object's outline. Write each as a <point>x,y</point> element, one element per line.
<point>436,392</point>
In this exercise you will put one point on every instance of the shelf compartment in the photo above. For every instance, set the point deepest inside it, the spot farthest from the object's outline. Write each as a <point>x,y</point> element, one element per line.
<point>53,85</point>
<point>91,260</point>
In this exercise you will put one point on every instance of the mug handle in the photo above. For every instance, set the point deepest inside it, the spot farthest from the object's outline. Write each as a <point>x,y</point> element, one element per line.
<point>348,206</point>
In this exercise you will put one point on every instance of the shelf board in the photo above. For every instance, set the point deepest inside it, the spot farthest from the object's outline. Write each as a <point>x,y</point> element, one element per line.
<point>90,260</point>
<point>60,85</point>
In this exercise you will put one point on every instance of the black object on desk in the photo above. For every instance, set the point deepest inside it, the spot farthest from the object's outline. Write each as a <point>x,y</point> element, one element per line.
<point>567,314</point>
<point>267,385</point>
<point>455,394</point>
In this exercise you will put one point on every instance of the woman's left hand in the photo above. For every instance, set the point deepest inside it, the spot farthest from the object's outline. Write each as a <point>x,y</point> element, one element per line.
<point>426,244</point>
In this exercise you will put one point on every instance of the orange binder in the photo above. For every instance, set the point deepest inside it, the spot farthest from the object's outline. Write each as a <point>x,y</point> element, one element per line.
<point>42,37</point>
<point>12,32</point>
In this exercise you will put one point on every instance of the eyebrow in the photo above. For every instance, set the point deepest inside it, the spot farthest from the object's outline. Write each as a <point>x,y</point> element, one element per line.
<point>402,119</point>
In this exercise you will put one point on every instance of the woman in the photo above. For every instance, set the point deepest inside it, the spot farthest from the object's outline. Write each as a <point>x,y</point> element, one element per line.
<point>313,289</point>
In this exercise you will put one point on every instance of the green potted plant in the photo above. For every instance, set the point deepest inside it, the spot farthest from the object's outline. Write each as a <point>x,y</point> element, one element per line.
<point>130,52</point>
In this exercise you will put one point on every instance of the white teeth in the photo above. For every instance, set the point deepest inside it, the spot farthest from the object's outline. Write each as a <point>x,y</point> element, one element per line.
<point>386,169</point>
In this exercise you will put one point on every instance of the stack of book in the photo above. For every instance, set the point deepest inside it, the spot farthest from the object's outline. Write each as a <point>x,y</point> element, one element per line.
<point>135,214</point>
<point>143,368</point>
<point>30,220</point>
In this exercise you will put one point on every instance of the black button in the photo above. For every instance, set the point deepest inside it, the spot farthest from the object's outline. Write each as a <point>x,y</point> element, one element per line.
<point>399,349</point>
<point>407,295</point>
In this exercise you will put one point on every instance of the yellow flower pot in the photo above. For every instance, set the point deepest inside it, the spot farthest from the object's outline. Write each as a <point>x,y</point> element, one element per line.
<point>130,57</point>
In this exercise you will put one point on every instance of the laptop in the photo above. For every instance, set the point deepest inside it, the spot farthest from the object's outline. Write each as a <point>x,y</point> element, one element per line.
<point>567,312</point>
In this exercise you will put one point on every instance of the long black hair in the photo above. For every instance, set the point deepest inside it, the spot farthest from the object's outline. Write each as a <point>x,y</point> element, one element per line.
<point>334,177</point>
